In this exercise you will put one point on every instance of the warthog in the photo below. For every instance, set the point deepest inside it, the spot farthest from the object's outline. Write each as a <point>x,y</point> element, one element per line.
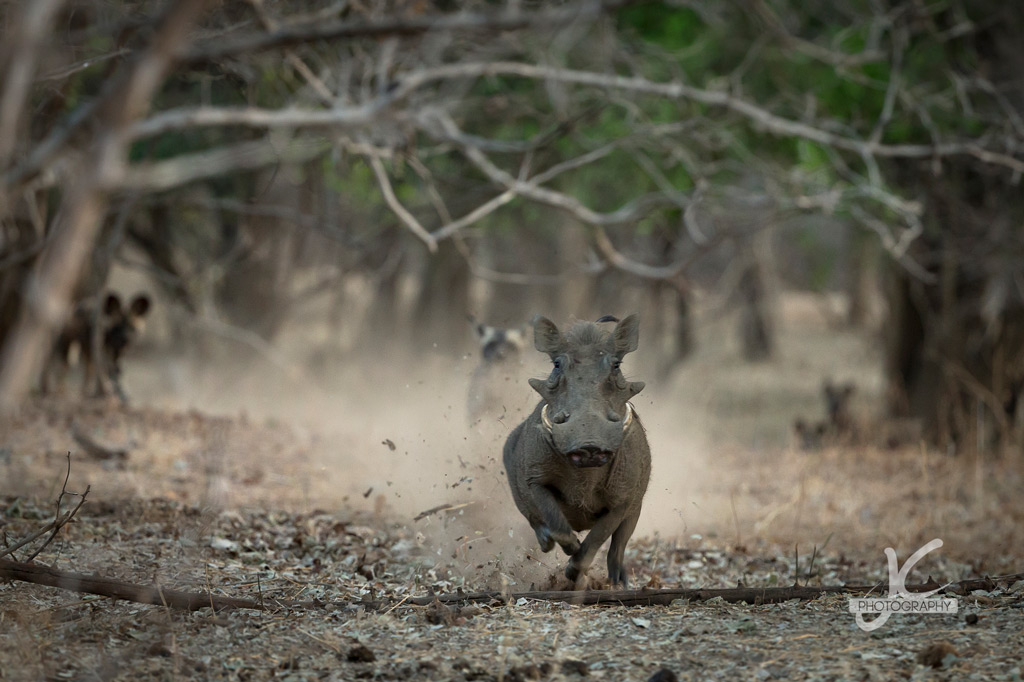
<point>500,361</point>
<point>119,326</point>
<point>581,460</point>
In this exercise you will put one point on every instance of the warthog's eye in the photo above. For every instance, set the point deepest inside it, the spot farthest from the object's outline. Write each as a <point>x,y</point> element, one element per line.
<point>558,365</point>
<point>616,364</point>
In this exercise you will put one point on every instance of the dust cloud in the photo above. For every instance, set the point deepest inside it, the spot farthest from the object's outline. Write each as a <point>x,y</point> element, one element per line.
<point>388,434</point>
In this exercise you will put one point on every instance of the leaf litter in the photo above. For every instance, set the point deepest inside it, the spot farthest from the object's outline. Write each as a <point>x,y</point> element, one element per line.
<point>340,557</point>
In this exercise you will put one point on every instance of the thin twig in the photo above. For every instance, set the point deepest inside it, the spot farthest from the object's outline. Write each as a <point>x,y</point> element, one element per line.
<point>401,211</point>
<point>61,521</point>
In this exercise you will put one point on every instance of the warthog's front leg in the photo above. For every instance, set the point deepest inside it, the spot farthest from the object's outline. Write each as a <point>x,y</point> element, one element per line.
<point>616,574</point>
<point>602,530</point>
<point>553,526</point>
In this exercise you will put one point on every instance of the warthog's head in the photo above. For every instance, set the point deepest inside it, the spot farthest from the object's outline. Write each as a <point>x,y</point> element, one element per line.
<point>586,399</point>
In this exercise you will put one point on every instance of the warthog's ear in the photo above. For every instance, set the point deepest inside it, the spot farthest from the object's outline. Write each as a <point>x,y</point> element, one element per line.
<point>547,338</point>
<point>626,336</point>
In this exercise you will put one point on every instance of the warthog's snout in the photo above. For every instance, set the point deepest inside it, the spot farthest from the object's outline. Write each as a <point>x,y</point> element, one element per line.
<point>588,453</point>
<point>589,456</point>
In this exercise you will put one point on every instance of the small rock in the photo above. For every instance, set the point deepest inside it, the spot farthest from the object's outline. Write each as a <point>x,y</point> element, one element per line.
<point>224,543</point>
<point>937,654</point>
<point>664,675</point>
<point>361,654</point>
<point>532,671</point>
<point>570,665</point>
<point>160,649</point>
<point>971,619</point>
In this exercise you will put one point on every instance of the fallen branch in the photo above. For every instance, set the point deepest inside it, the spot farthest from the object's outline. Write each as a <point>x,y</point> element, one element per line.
<point>665,596</point>
<point>193,601</point>
<point>116,589</point>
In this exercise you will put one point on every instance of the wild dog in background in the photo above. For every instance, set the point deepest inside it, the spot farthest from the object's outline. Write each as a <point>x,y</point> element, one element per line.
<point>839,427</point>
<point>842,428</point>
<point>118,328</point>
<point>495,378</point>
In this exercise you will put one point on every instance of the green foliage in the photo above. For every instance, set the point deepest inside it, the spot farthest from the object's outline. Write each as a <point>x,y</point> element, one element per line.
<point>699,50</point>
<point>669,27</point>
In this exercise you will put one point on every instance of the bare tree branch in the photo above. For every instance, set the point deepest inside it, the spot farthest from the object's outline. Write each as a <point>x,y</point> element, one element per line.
<point>186,168</point>
<point>50,284</point>
<point>77,67</point>
<point>627,213</point>
<point>252,117</point>
<point>772,123</point>
<point>401,211</point>
<point>20,54</point>
<point>218,49</point>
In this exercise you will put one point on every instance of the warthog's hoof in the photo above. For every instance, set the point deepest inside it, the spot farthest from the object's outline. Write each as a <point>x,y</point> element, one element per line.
<point>547,543</point>
<point>617,577</point>
<point>571,545</point>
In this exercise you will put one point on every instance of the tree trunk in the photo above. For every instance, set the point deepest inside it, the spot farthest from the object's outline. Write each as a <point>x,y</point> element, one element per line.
<point>955,341</point>
<point>443,300</point>
<point>756,328</point>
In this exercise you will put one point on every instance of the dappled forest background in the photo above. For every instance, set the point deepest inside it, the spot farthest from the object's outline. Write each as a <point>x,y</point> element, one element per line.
<point>390,168</point>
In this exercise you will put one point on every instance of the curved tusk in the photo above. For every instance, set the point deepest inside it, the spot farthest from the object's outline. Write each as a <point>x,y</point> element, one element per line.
<point>629,416</point>
<point>544,418</point>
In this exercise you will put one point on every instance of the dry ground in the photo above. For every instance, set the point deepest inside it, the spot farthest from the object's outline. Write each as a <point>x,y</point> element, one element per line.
<point>276,483</point>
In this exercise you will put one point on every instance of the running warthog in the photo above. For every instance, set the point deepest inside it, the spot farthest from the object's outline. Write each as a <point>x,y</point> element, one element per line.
<point>581,460</point>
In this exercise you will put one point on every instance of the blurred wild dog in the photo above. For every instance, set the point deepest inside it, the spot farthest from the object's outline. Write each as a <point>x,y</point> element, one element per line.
<point>494,379</point>
<point>841,428</point>
<point>118,328</point>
